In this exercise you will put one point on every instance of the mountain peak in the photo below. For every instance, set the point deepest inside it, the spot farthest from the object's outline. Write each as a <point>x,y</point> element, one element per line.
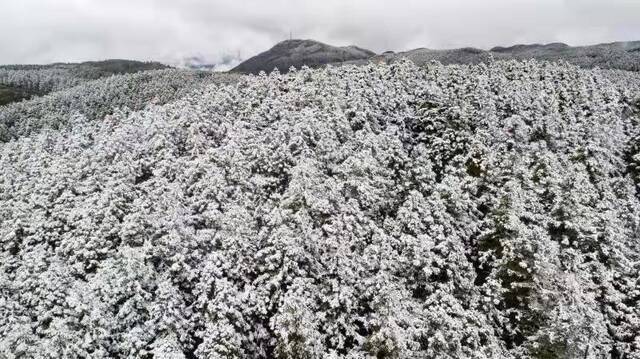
<point>298,53</point>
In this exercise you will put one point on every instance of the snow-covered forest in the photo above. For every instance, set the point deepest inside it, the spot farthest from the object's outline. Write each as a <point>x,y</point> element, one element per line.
<point>376,211</point>
<point>96,99</point>
<point>25,81</point>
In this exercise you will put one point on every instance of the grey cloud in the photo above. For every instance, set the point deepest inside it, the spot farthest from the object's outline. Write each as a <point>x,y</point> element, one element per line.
<point>40,31</point>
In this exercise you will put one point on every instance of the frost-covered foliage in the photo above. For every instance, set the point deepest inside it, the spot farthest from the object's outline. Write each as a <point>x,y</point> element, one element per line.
<point>383,211</point>
<point>95,99</point>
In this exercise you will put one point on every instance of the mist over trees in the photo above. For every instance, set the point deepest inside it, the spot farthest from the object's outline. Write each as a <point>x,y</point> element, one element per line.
<point>379,211</point>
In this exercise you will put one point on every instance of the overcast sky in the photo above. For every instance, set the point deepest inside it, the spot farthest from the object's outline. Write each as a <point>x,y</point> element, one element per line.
<point>44,31</point>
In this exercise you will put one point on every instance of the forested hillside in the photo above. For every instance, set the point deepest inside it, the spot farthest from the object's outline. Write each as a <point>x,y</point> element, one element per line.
<point>93,100</point>
<point>375,211</point>
<point>18,82</point>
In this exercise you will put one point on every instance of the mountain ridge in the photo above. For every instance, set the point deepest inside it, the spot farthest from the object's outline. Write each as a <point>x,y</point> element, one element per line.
<point>298,53</point>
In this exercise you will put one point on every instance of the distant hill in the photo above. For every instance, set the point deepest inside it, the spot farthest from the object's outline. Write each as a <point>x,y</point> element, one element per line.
<point>617,55</point>
<point>301,52</point>
<point>98,69</point>
<point>466,55</point>
<point>95,69</point>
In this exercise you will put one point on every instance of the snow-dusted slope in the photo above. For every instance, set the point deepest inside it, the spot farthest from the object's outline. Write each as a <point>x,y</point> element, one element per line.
<point>382,211</point>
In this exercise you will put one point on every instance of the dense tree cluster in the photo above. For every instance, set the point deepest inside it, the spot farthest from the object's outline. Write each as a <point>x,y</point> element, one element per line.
<point>382,211</point>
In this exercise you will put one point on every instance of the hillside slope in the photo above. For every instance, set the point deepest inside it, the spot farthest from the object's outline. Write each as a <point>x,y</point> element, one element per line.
<point>389,211</point>
<point>26,81</point>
